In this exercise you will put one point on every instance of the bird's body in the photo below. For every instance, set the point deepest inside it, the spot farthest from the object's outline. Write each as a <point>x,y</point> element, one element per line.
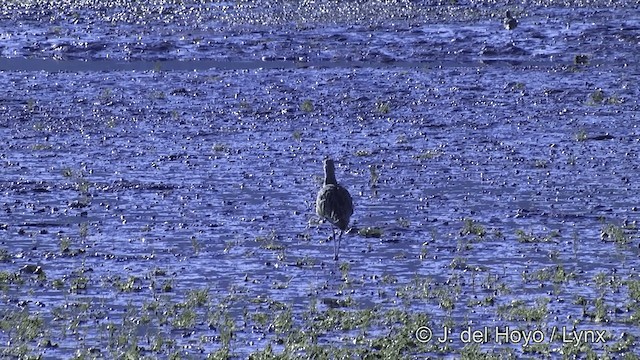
<point>509,22</point>
<point>334,203</point>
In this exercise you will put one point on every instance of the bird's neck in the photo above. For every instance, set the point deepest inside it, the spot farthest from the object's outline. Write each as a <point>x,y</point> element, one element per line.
<point>330,178</point>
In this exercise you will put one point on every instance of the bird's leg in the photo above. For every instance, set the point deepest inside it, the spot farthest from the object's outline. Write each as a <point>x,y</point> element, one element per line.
<point>336,248</point>
<point>334,244</point>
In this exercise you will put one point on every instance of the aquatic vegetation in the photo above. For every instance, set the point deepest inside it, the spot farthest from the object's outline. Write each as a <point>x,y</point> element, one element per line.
<point>557,274</point>
<point>615,100</point>
<point>459,263</point>
<point>30,106</point>
<point>600,311</point>
<point>598,97</point>
<point>403,222</point>
<point>57,284</point>
<point>229,245</point>
<point>38,147</point>
<point>519,310</point>
<point>106,95</point>
<point>519,86</point>
<point>158,95</point>
<point>615,233</point>
<point>471,227</point>
<point>270,242</point>
<point>633,287</point>
<point>383,107</point>
<point>83,230</point>
<point>541,164</point>
<point>371,232</point>
<point>67,172</point>
<point>220,147</point>
<point>472,351</point>
<point>306,106</point>
<point>581,59</point>
<point>4,255</point>
<point>9,278</point>
<point>34,269</point>
<point>624,345</point>
<point>581,136</point>
<point>306,261</point>
<point>374,176</point>
<point>530,237</point>
<point>78,284</point>
<point>112,123</point>
<point>185,318</point>
<point>81,185</point>
<point>297,135</point>
<point>446,301</point>
<point>22,326</point>
<point>132,283</point>
<point>607,281</point>
<point>195,244</point>
<point>429,154</point>
<point>65,244</point>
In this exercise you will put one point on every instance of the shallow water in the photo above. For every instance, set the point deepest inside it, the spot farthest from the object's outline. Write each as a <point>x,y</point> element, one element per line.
<point>204,177</point>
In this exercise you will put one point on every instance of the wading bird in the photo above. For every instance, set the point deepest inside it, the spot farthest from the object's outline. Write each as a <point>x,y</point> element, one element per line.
<point>509,22</point>
<point>334,204</point>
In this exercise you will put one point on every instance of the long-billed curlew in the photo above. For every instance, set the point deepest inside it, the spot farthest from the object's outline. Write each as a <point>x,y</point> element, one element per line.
<point>509,22</point>
<point>334,203</point>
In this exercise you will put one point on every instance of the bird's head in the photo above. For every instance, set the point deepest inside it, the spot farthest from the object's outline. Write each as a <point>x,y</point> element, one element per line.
<point>328,163</point>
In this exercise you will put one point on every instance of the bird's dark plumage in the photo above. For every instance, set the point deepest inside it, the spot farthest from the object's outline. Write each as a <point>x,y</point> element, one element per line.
<point>334,203</point>
<point>509,22</point>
